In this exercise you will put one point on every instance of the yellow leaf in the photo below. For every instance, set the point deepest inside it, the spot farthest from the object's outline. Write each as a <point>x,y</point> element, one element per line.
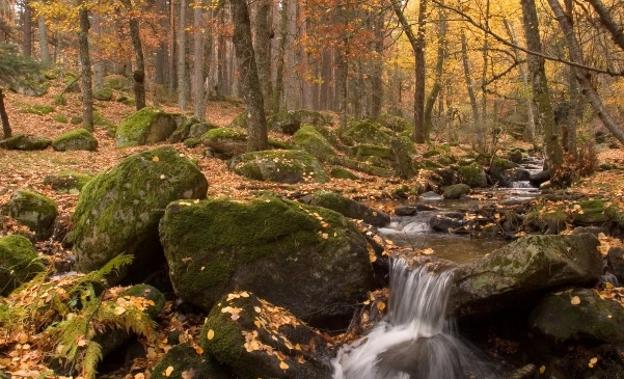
<point>155,159</point>
<point>427,251</point>
<point>592,362</point>
<point>210,335</point>
<point>575,300</point>
<point>542,369</point>
<point>168,371</point>
<point>283,365</point>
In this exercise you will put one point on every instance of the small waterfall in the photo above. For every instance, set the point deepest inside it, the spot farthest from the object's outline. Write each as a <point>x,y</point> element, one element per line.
<point>415,340</point>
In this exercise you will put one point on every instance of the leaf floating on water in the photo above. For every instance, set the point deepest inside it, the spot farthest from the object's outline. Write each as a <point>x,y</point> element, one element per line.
<point>575,300</point>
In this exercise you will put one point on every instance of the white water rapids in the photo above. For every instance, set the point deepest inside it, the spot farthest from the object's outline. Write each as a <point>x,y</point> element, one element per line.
<point>415,340</point>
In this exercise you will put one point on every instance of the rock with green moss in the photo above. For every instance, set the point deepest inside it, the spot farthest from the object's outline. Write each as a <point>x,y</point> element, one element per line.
<point>19,262</point>
<point>77,139</point>
<point>367,132</point>
<point>347,207</point>
<point>218,245</point>
<point>546,221</point>
<point>364,151</point>
<point>289,122</point>
<point>33,210</point>
<point>118,211</point>
<point>117,82</point>
<point>240,121</point>
<point>103,93</point>
<point>309,138</point>
<point>579,314</point>
<point>25,142</point>
<point>473,175</point>
<point>523,269</point>
<point>339,172</point>
<point>456,191</point>
<point>67,181</point>
<point>284,166</point>
<point>257,339</point>
<point>396,123</point>
<point>150,293</point>
<point>224,143</point>
<point>38,109</point>
<point>515,155</point>
<point>144,127</point>
<point>591,212</point>
<point>498,166</point>
<point>183,362</point>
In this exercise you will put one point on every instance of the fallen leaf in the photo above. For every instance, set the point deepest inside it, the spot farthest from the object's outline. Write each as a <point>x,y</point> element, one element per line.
<point>575,300</point>
<point>283,365</point>
<point>210,335</point>
<point>592,362</point>
<point>168,371</point>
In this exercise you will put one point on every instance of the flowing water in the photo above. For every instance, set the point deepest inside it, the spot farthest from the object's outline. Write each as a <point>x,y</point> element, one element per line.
<point>415,340</point>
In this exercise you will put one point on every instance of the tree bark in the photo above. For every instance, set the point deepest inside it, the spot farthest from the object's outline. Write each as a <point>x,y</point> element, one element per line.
<point>171,63</point>
<point>85,65</point>
<point>139,69</point>
<point>197,84</point>
<point>44,50</point>
<point>476,118</point>
<point>279,70</point>
<point>249,82</point>
<point>4,117</point>
<point>439,70</point>
<point>27,29</point>
<point>262,47</point>
<point>378,64</point>
<point>616,30</point>
<point>181,67</point>
<point>539,85</point>
<point>584,76</point>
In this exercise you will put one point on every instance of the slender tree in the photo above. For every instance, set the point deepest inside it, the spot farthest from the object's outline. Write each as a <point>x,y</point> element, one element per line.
<point>181,66</point>
<point>262,47</point>
<point>44,51</point>
<point>4,118</point>
<point>27,35</point>
<point>139,64</point>
<point>476,116</point>
<point>248,76</point>
<point>281,52</point>
<point>85,64</point>
<point>615,28</point>
<point>439,70</point>
<point>197,84</point>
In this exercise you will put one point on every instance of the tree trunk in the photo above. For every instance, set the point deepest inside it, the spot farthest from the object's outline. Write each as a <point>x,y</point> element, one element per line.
<point>262,47</point>
<point>476,118</point>
<point>248,76</point>
<point>4,118</point>
<point>172,46</point>
<point>569,140</point>
<point>27,29</point>
<point>378,64</point>
<point>44,50</point>
<point>615,28</point>
<point>539,85</point>
<point>439,70</point>
<point>583,76</point>
<point>85,65</point>
<point>160,59</point>
<point>197,84</point>
<point>181,68</point>
<point>98,66</point>
<point>279,70</point>
<point>139,69</point>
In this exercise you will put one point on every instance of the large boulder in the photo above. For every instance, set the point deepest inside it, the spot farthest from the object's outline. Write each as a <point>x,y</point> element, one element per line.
<point>259,340</point>
<point>498,166</point>
<point>308,259</point>
<point>19,262</point>
<point>224,143</point>
<point>347,207</point>
<point>25,142</point>
<point>473,175</point>
<point>366,131</point>
<point>456,191</point>
<point>33,210</point>
<point>284,166</point>
<point>524,269</point>
<point>118,211</point>
<point>579,314</point>
<point>144,127</point>
<point>309,138</point>
<point>289,122</point>
<point>183,362</point>
<point>78,139</point>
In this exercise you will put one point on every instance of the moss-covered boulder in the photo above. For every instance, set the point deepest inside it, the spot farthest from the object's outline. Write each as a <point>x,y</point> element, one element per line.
<point>347,207</point>
<point>364,151</point>
<point>473,175</point>
<point>259,340</point>
<point>262,245</point>
<point>498,166</point>
<point>546,220</point>
<point>33,210</point>
<point>189,128</point>
<point>396,123</point>
<point>309,138</point>
<point>339,172</point>
<point>67,181</point>
<point>523,269</point>
<point>579,314</point>
<point>183,362</point>
<point>78,139</point>
<point>150,293</point>
<point>19,262</point>
<point>284,166</point>
<point>456,191</point>
<point>515,155</point>
<point>367,132</point>
<point>289,122</point>
<point>25,142</point>
<point>118,211</point>
<point>591,212</point>
<point>224,143</point>
<point>144,127</point>
<point>103,93</point>
<point>117,82</point>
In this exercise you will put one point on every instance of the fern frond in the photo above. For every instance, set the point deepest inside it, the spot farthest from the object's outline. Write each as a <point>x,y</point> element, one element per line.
<point>92,356</point>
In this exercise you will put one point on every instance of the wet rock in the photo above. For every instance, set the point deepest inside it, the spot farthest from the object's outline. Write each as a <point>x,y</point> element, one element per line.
<point>499,166</point>
<point>19,262</point>
<point>118,211</point>
<point>218,245</point>
<point>539,178</point>
<point>524,269</point>
<point>25,142</point>
<point>445,224</point>
<point>257,339</point>
<point>456,191</point>
<point>516,174</point>
<point>347,207</point>
<point>406,211</point>
<point>78,139</point>
<point>473,175</point>
<point>579,314</point>
<point>448,176</point>
<point>283,166</point>
<point>33,210</point>
<point>615,261</point>
<point>515,156</point>
<point>183,362</point>
<point>150,293</point>
<point>145,127</point>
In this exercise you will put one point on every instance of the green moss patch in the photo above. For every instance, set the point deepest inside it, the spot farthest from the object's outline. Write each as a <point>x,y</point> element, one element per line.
<point>33,210</point>
<point>19,262</point>
<point>25,142</point>
<point>77,139</point>
<point>147,126</point>
<point>286,166</point>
